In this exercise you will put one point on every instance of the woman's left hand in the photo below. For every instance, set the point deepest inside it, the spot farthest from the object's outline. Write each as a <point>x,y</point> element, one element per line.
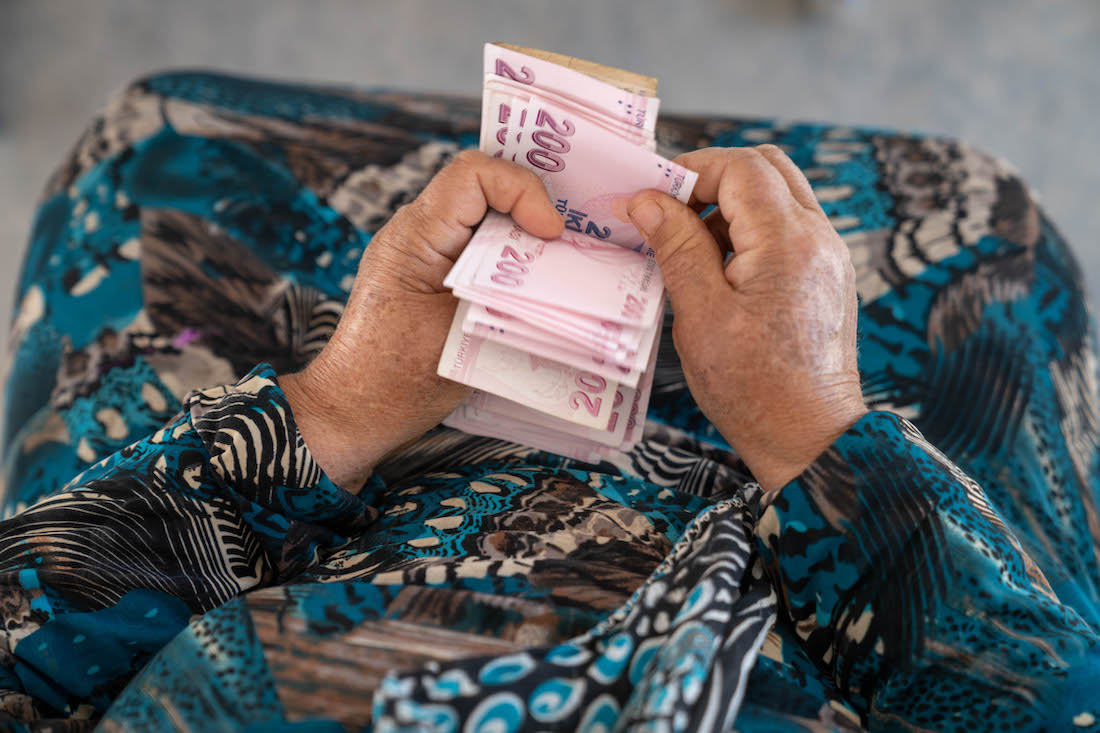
<point>374,387</point>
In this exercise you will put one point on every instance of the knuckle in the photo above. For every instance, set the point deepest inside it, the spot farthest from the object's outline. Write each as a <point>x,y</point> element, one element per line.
<point>675,268</point>
<point>774,154</point>
<point>842,252</point>
<point>737,158</point>
<point>677,254</point>
<point>823,263</point>
<point>415,220</point>
<point>819,261</point>
<point>530,177</point>
<point>403,217</point>
<point>412,213</point>
<point>808,246</point>
<point>767,193</point>
<point>468,158</point>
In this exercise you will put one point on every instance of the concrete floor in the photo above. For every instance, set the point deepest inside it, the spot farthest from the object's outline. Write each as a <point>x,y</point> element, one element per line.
<point>1018,77</point>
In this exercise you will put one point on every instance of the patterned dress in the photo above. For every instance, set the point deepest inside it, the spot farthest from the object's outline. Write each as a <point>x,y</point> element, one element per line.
<point>173,558</point>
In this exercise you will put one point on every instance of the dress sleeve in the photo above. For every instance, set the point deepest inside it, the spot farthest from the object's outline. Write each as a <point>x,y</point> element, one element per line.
<point>906,588</point>
<point>97,577</point>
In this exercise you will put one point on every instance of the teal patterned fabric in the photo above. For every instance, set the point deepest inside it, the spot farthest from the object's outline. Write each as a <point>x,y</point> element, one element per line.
<point>173,558</point>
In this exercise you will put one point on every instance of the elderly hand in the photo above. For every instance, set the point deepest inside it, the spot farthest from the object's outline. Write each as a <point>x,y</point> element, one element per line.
<point>374,388</point>
<point>767,342</point>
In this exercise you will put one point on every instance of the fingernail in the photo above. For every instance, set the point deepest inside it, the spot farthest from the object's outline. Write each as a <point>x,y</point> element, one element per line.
<point>647,216</point>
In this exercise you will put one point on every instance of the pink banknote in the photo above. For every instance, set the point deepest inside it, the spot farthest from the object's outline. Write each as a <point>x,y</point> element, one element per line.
<point>509,319</point>
<point>611,436</point>
<point>493,425</point>
<point>559,338</point>
<point>601,297</point>
<point>633,110</point>
<point>635,425</point>
<point>501,97</point>
<point>511,331</point>
<point>572,394</point>
<point>495,417</point>
<point>587,168</point>
<point>607,339</point>
<point>574,272</point>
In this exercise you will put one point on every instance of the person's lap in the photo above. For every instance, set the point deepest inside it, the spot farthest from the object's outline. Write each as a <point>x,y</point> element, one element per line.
<point>204,224</point>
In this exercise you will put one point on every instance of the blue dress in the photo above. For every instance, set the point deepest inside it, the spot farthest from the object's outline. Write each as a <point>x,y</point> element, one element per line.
<point>173,558</point>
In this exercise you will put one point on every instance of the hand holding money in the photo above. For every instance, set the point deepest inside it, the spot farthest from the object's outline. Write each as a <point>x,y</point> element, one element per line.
<point>374,386</point>
<point>559,337</point>
<point>767,341</point>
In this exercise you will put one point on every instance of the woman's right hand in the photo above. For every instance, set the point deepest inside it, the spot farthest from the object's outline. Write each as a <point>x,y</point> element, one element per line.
<point>768,341</point>
<point>374,387</point>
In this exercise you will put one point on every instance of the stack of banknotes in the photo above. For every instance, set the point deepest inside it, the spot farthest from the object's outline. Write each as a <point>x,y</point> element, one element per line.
<point>559,337</point>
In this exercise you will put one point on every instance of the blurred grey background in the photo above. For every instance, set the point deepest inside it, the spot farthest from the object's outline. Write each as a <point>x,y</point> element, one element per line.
<point>1020,78</point>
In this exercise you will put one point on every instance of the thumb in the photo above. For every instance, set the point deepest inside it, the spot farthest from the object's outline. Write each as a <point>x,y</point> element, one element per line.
<point>689,258</point>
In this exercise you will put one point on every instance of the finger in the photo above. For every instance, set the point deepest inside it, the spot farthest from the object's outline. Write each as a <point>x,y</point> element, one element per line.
<point>750,192</point>
<point>709,163</point>
<point>687,254</point>
<point>796,181</point>
<point>618,208</point>
<point>717,225</point>
<point>473,183</point>
<point>743,268</point>
<point>719,228</point>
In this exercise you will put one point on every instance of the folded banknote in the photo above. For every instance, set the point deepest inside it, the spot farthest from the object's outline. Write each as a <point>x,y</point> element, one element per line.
<point>559,337</point>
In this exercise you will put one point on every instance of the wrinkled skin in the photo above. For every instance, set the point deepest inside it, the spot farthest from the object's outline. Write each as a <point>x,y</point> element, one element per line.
<point>767,341</point>
<point>374,387</point>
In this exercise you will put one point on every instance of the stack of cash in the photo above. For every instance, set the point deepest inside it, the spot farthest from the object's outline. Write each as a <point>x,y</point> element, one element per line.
<point>559,337</point>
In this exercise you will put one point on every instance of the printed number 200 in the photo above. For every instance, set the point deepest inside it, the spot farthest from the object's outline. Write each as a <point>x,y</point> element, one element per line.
<point>552,143</point>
